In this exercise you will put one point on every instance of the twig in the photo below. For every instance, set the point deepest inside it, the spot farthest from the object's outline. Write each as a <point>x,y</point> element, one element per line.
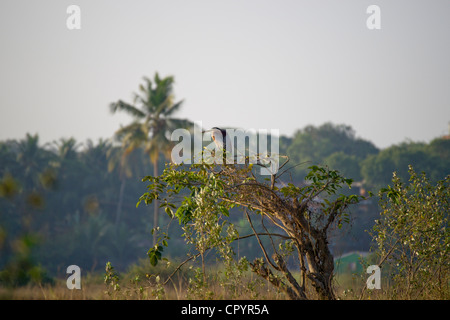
<point>260,243</point>
<point>238,238</point>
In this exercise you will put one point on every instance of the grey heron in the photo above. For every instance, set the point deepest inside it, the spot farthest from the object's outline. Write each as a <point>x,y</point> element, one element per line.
<point>221,140</point>
<point>224,143</point>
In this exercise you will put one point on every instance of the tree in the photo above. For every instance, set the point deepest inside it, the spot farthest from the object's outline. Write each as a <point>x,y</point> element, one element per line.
<point>22,185</point>
<point>31,161</point>
<point>377,169</point>
<point>313,145</point>
<point>70,172</point>
<point>127,163</point>
<point>303,216</point>
<point>440,147</point>
<point>347,164</point>
<point>412,236</point>
<point>152,125</point>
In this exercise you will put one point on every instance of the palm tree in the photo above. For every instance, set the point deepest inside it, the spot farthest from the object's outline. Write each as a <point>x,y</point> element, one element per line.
<point>31,160</point>
<point>127,164</point>
<point>152,112</point>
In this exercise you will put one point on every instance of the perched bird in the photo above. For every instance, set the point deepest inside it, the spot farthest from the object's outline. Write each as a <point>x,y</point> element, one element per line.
<point>221,140</point>
<point>223,143</point>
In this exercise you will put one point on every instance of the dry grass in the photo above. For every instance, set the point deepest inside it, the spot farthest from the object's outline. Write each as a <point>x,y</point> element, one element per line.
<point>98,292</point>
<point>347,287</point>
<point>93,288</point>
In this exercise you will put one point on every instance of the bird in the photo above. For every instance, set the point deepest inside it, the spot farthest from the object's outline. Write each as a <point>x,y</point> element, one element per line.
<point>221,140</point>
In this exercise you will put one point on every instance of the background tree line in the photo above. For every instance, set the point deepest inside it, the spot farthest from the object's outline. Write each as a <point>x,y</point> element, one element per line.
<point>75,203</point>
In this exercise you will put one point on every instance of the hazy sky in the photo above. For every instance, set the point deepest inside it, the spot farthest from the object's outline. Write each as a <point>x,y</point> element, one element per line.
<point>248,64</point>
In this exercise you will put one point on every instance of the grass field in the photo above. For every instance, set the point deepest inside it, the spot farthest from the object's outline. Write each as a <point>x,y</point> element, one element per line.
<point>136,284</point>
<point>347,287</point>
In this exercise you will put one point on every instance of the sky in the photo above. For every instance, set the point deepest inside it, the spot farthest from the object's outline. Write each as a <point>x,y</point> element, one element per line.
<point>249,64</point>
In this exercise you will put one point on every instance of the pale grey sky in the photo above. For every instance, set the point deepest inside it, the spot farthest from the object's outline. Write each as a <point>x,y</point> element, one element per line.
<point>261,64</point>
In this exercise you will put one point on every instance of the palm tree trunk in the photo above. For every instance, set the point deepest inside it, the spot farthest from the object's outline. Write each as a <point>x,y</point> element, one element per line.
<point>119,205</point>
<point>155,204</point>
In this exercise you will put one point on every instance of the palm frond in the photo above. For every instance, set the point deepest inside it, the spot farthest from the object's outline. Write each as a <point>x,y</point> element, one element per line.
<point>128,108</point>
<point>173,124</point>
<point>133,133</point>
<point>168,111</point>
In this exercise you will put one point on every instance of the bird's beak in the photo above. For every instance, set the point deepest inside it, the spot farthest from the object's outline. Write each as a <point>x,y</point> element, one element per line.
<point>204,131</point>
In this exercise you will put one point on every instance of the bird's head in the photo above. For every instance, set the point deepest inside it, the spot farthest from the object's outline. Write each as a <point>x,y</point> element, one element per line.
<point>216,132</point>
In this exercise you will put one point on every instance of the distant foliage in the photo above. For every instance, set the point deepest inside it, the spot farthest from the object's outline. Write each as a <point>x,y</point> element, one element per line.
<point>433,158</point>
<point>63,195</point>
<point>328,144</point>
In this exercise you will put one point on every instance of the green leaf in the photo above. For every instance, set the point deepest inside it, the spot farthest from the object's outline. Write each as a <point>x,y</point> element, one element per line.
<point>153,260</point>
<point>169,212</point>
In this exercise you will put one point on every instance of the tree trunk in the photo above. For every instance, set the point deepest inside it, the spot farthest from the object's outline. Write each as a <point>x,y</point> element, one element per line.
<point>155,204</point>
<point>119,205</point>
<point>320,264</point>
